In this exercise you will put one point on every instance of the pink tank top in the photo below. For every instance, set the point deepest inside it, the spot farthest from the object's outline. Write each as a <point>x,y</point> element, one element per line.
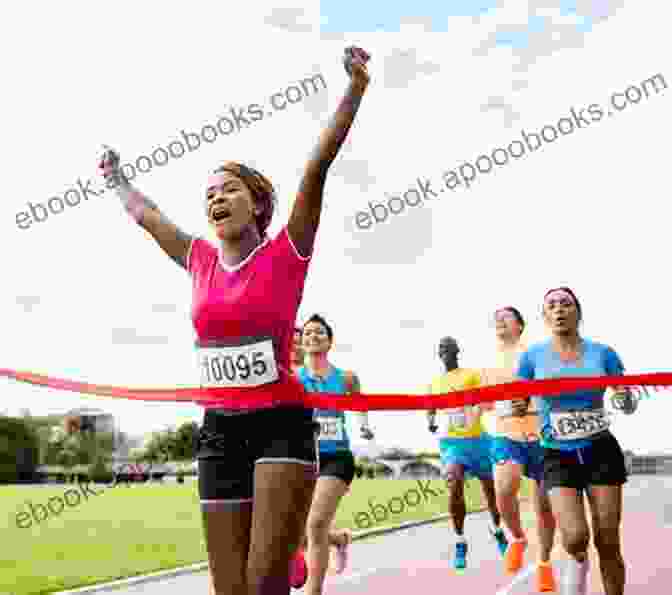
<point>257,299</point>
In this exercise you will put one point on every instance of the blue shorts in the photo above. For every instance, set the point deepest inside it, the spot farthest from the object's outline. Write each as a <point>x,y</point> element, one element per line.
<point>530,455</point>
<point>472,454</point>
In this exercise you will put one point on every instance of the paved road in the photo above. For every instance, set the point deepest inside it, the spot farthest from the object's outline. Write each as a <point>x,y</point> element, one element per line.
<point>417,560</point>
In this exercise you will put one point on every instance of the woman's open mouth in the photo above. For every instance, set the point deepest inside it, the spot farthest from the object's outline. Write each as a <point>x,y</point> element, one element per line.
<point>219,214</point>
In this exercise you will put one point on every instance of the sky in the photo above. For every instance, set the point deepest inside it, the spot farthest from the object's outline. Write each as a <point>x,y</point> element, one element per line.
<point>88,296</point>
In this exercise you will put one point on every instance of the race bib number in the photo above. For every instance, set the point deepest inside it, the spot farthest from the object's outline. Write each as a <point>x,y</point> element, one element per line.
<point>239,366</point>
<point>454,420</point>
<point>331,428</point>
<point>457,420</point>
<point>576,425</point>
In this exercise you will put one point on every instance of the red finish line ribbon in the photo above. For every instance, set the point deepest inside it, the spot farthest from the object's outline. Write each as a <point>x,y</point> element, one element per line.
<point>292,393</point>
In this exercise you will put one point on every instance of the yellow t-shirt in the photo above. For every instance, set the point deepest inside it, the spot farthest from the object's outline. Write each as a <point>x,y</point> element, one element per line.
<point>460,422</point>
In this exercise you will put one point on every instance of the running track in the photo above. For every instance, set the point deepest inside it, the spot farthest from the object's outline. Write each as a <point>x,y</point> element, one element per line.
<point>418,560</point>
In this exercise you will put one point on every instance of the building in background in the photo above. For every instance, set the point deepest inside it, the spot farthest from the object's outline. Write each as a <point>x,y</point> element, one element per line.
<point>652,463</point>
<point>96,421</point>
<point>93,420</point>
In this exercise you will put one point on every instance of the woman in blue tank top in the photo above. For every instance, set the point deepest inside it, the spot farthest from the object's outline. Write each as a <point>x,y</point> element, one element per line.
<point>336,463</point>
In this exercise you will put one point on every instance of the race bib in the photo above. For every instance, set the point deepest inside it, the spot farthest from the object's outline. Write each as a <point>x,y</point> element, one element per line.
<point>576,425</point>
<point>504,408</point>
<point>452,420</point>
<point>331,428</point>
<point>248,365</point>
<point>457,420</point>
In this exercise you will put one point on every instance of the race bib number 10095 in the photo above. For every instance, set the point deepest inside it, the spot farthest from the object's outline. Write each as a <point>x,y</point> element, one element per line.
<point>240,366</point>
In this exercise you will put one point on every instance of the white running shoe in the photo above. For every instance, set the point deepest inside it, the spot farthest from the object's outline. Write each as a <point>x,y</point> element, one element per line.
<point>342,553</point>
<point>575,579</point>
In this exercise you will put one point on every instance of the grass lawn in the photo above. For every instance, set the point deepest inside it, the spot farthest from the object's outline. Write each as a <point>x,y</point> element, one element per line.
<point>128,531</point>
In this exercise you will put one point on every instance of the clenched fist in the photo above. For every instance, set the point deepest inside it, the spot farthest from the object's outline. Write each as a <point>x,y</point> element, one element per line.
<point>355,60</point>
<point>109,165</point>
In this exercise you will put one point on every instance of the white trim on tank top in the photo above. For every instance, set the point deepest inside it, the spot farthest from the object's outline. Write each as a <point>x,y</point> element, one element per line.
<point>242,263</point>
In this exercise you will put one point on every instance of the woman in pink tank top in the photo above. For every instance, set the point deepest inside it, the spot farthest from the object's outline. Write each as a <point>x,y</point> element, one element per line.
<point>246,294</point>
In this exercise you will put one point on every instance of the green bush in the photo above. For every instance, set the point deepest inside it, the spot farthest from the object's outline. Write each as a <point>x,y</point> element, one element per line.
<point>19,451</point>
<point>99,473</point>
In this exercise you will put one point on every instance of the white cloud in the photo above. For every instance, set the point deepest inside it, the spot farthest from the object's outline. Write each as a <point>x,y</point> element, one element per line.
<point>415,26</point>
<point>402,67</point>
<point>293,19</point>
<point>600,10</point>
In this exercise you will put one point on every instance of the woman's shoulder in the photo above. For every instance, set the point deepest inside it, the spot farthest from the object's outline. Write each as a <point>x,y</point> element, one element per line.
<point>200,250</point>
<point>535,348</point>
<point>600,348</point>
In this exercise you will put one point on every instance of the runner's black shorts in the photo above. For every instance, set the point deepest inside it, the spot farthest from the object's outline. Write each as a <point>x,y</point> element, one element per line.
<point>600,464</point>
<point>339,464</point>
<point>230,445</point>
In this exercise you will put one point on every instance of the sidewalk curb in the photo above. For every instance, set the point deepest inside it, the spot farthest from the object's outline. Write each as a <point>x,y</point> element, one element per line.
<point>203,566</point>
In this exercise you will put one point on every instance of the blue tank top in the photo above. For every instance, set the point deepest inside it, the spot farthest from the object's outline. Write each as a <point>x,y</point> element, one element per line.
<point>333,435</point>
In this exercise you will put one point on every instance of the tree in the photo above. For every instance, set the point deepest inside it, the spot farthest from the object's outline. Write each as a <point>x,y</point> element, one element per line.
<point>172,444</point>
<point>160,447</point>
<point>69,452</point>
<point>19,450</point>
<point>68,446</point>
<point>185,441</point>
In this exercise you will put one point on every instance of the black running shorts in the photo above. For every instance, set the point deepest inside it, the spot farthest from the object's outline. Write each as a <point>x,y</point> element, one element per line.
<point>230,446</point>
<point>601,463</point>
<point>340,464</point>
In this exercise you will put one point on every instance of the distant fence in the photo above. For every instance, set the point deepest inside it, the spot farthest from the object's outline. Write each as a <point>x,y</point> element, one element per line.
<point>650,465</point>
<point>121,472</point>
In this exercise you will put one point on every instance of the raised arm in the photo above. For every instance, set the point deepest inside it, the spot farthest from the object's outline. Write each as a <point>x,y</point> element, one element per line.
<point>172,240</point>
<point>305,217</point>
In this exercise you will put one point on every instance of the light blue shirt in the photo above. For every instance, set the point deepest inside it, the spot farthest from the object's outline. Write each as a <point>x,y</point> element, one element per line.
<point>541,361</point>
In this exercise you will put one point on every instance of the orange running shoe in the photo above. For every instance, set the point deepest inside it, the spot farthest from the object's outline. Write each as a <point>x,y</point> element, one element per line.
<point>545,578</point>
<point>515,553</point>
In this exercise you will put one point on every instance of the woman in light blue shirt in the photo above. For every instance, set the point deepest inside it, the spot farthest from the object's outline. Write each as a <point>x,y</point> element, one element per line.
<point>580,453</point>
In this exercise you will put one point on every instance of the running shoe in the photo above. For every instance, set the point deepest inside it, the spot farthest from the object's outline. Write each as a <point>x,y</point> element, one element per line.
<point>545,578</point>
<point>341,560</point>
<point>298,570</point>
<point>502,542</point>
<point>460,562</point>
<point>515,553</point>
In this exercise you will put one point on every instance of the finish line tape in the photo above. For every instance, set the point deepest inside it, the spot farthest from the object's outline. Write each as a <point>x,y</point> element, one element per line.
<point>290,392</point>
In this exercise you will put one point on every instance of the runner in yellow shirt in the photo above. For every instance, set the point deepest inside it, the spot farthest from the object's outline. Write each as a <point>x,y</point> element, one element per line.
<point>464,448</point>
